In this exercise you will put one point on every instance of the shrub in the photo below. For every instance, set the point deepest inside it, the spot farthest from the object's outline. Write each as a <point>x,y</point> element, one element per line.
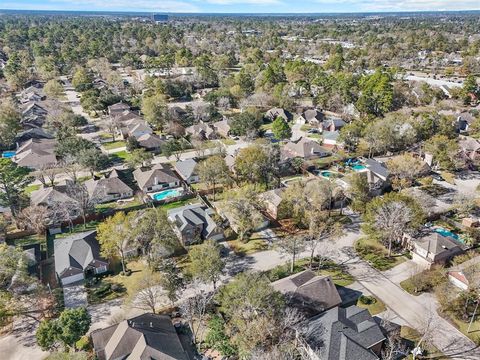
<point>84,343</point>
<point>367,300</point>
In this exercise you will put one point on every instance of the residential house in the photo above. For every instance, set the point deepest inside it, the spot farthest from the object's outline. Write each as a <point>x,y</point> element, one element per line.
<point>145,337</point>
<point>193,223</point>
<point>201,131</point>
<point>77,256</point>
<point>186,170</point>
<point>62,205</point>
<point>31,94</point>
<point>311,294</point>
<point>330,139</point>
<point>344,334</point>
<point>151,142</point>
<point>434,248</point>
<point>312,117</point>
<point>469,147</point>
<point>466,275</point>
<point>464,120</point>
<point>274,203</point>
<point>155,179</point>
<point>377,175</point>
<point>33,133</point>
<point>118,108</point>
<point>108,189</point>
<point>36,153</point>
<point>274,113</point>
<point>33,115</point>
<point>135,128</point>
<point>332,124</point>
<point>304,148</point>
<point>126,116</point>
<point>222,128</point>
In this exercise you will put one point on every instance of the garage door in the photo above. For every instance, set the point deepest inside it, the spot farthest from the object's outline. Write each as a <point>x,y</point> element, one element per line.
<point>72,279</point>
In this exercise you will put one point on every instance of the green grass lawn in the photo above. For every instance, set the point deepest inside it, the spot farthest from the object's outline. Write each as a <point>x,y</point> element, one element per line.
<point>176,204</point>
<point>305,127</point>
<point>375,306</point>
<point>376,254</point>
<point>31,188</point>
<point>118,205</point>
<point>121,156</point>
<point>266,127</point>
<point>129,282</point>
<point>114,145</point>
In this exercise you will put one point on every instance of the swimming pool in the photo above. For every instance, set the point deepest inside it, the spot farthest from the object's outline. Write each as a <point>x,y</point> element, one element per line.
<point>326,174</point>
<point>358,167</point>
<point>166,194</point>
<point>448,233</point>
<point>8,154</point>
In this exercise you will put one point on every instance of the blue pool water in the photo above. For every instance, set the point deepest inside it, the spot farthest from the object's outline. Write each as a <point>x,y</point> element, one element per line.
<point>166,194</point>
<point>358,167</point>
<point>448,233</point>
<point>8,154</point>
<point>326,174</point>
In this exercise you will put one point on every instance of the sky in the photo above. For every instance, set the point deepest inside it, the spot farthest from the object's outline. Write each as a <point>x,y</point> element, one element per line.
<point>243,6</point>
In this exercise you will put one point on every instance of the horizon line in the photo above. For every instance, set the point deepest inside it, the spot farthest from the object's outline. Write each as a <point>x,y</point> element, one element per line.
<point>246,13</point>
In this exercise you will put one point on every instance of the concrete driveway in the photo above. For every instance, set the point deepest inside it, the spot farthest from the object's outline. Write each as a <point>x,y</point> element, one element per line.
<point>75,295</point>
<point>416,312</point>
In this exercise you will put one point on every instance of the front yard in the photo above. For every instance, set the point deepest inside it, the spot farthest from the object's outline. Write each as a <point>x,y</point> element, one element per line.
<point>337,272</point>
<point>376,254</point>
<point>115,286</point>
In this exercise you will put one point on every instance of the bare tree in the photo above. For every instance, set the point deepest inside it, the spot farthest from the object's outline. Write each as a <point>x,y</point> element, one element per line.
<point>148,294</point>
<point>392,219</point>
<point>292,246</point>
<point>35,218</point>
<point>194,310</point>
<point>86,203</point>
<point>322,228</point>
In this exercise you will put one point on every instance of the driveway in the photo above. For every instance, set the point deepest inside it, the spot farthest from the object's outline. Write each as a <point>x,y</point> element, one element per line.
<point>75,295</point>
<point>418,313</point>
<point>402,272</point>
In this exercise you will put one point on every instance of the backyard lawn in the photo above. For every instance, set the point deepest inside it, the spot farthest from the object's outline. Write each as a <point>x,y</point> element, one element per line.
<point>114,145</point>
<point>120,156</point>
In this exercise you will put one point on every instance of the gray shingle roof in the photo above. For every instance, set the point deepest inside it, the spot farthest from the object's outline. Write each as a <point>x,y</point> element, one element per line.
<point>195,214</point>
<point>436,243</point>
<point>186,168</point>
<point>344,334</point>
<point>147,336</point>
<point>309,292</point>
<point>157,175</point>
<point>377,168</point>
<point>75,253</point>
<point>106,186</point>
<point>304,148</point>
